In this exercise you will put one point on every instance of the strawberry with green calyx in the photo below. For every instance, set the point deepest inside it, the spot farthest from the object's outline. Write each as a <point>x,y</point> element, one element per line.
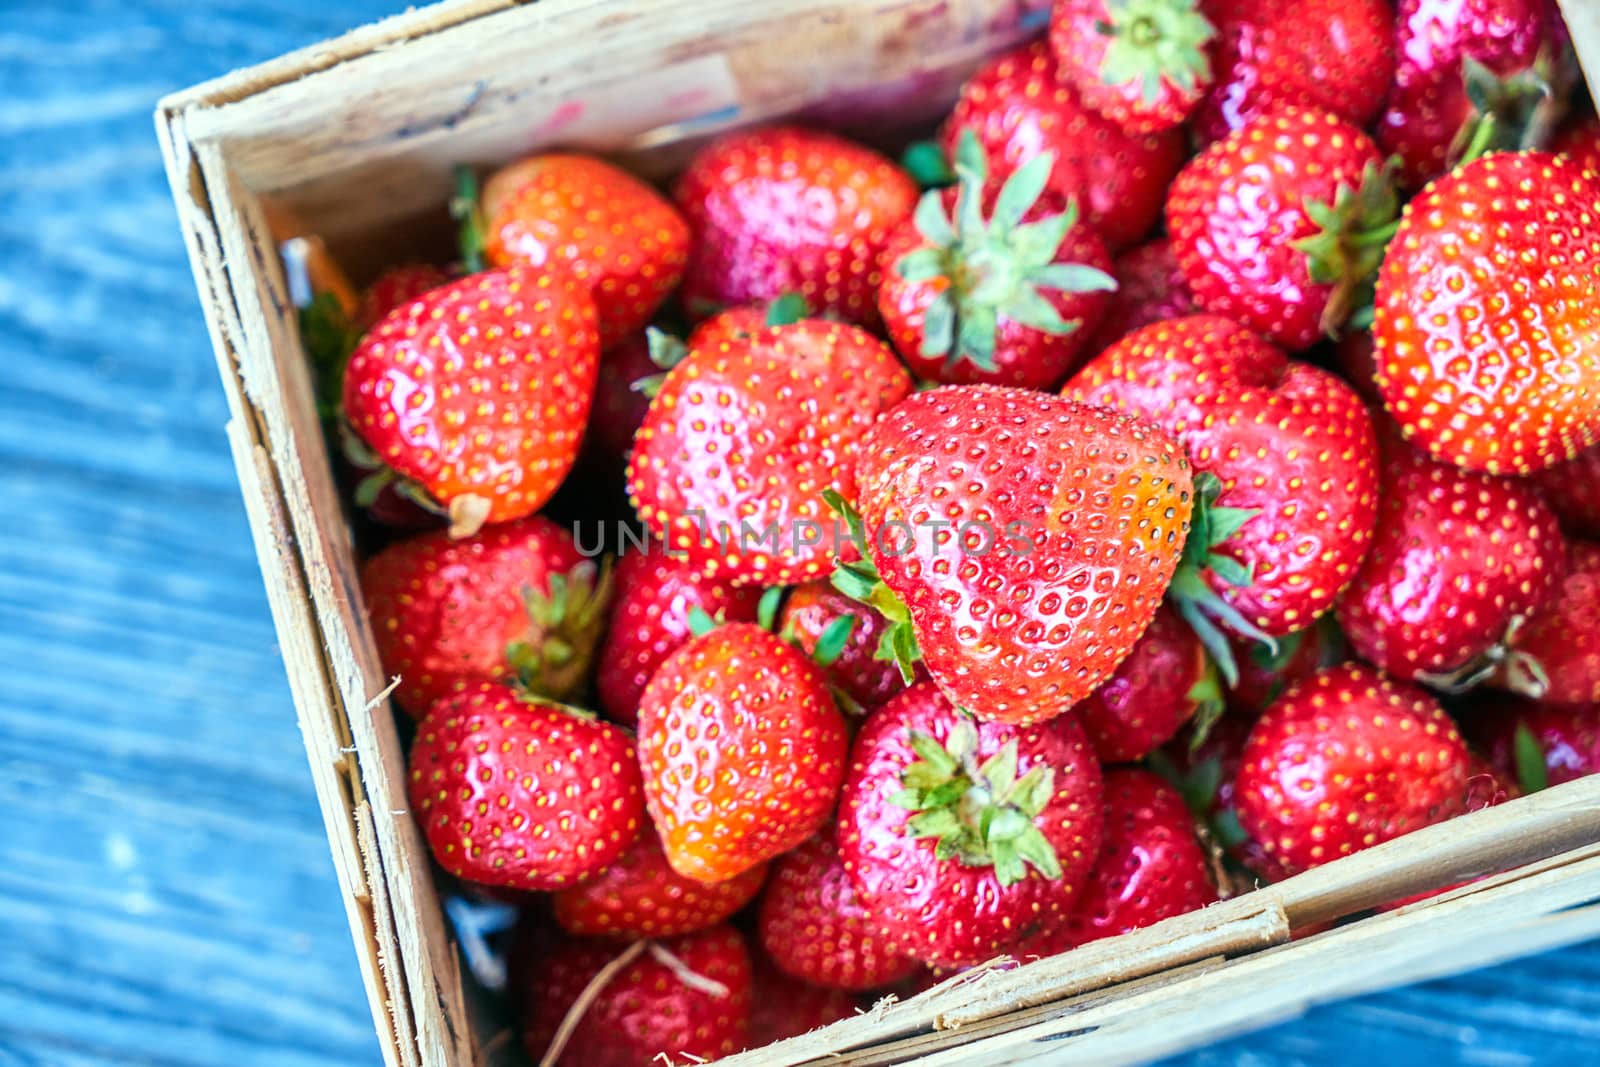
<point>1166,681</point>
<point>640,895</point>
<point>1264,673</point>
<point>515,791</point>
<point>515,602</point>
<point>1535,744</point>
<point>1140,63</point>
<point>962,838</point>
<point>844,636</point>
<point>1281,225</point>
<point>1003,295</point>
<point>732,324</point>
<point>1203,770</point>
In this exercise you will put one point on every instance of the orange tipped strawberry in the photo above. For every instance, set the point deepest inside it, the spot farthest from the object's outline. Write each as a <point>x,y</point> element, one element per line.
<point>1140,63</point>
<point>518,792</point>
<point>1488,315</point>
<point>478,391</point>
<point>613,232</point>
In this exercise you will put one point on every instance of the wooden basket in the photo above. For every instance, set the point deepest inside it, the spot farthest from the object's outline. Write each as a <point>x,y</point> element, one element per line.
<point>357,136</point>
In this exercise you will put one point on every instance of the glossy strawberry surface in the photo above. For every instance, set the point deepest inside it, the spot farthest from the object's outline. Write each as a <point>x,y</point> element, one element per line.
<point>1019,108</point>
<point>781,209</point>
<point>397,287</point>
<point>1345,760</point>
<point>655,593</point>
<point>516,792</point>
<point>1151,694</point>
<point>742,748</point>
<point>813,927</point>
<point>808,612</point>
<point>1236,211</point>
<point>1487,315</point>
<point>738,446</point>
<point>480,389</point>
<point>942,910</point>
<point>1030,539</point>
<point>1564,638</point>
<point>1288,441</point>
<point>1142,65</point>
<point>1151,866</point>
<point>641,896</point>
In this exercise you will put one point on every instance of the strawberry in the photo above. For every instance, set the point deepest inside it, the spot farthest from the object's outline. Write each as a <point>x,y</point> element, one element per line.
<point>1579,140</point>
<point>641,896</point>
<point>1264,673</point>
<point>515,791</point>
<point>1557,654</point>
<point>1459,562</point>
<point>1486,314</point>
<point>684,999</point>
<point>1336,55</point>
<point>1140,63</point>
<point>783,1008</point>
<point>743,439</point>
<point>1280,224</point>
<point>397,287</point>
<point>738,323</point>
<point>742,749</point>
<point>1150,288</point>
<point>619,407</point>
<point>1020,109</point>
<point>478,391</point>
<point>1572,489</point>
<point>1467,71</point>
<point>780,209</point>
<point>1288,478</point>
<point>1536,745</point>
<point>1165,681</point>
<point>1004,295</point>
<point>855,672</point>
<point>962,837</point>
<point>1151,865</point>
<point>1018,542</point>
<point>656,592</point>
<point>514,601</point>
<point>612,231</point>
<point>814,929</point>
<point>1347,759</point>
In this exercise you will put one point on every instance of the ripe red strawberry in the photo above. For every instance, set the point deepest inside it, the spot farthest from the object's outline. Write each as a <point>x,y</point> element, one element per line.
<point>479,390</point>
<point>641,896</point>
<point>1019,109</point>
<point>1165,681</point>
<point>1150,288</point>
<point>397,287</point>
<point>1280,224</point>
<point>1572,489</point>
<point>1264,673</point>
<point>1557,654</point>
<point>1151,865</point>
<point>743,439</point>
<point>612,231</point>
<point>514,791</point>
<point>856,671</point>
<point>963,837</point>
<point>1287,456</point>
<point>1486,315</point>
<point>1023,542</point>
<point>1459,562</point>
<point>1579,140</point>
<point>1345,760</point>
<point>814,929</point>
<point>685,999</point>
<point>1336,55</point>
<point>1143,65</point>
<point>1536,745</point>
<point>782,209</point>
<point>1454,56</point>
<point>1003,294</point>
<point>742,749</point>
<point>782,1007</point>
<point>514,601</point>
<point>656,591</point>
<point>739,323</point>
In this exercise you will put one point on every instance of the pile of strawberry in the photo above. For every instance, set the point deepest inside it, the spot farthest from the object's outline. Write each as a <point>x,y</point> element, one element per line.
<point>1004,574</point>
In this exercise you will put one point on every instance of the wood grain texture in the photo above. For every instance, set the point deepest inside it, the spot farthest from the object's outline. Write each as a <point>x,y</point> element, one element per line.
<point>166,895</point>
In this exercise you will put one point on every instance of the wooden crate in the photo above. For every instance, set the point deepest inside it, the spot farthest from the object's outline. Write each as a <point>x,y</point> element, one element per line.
<point>357,136</point>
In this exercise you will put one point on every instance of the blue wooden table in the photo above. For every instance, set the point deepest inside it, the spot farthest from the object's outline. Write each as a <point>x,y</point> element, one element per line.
<point>166,895</point>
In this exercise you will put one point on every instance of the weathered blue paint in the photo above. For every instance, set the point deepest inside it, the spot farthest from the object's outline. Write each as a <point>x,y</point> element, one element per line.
<point>166,895</point>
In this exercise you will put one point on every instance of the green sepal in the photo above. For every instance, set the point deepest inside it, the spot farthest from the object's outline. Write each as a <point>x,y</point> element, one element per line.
<point>1533,774</point>
<point>1154,41</point>
<point>1517,112</point>
<point>467,209</point>
<point>928,165</point>
<point>860,581</point>
<point>1352,233</point>
<point>832,641</point>
<point>786,310</point>
<point>566,621</point>
<point>1209,704</point>
<point>700,623</point>
<point>767,607</point>
<point>328,337</point>
<point>666,352</point>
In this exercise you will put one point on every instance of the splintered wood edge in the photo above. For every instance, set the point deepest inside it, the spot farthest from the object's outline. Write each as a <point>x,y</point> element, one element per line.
<point>388,947</point>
